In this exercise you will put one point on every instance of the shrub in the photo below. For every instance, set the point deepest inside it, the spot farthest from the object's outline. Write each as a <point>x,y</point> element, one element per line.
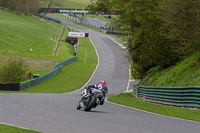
<point>14,70</point>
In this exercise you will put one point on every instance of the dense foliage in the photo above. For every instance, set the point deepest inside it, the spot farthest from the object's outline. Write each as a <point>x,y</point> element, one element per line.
<point>21,6</point>
<point>14,71</point>
<point>164,32</point>
<point>98,6</point>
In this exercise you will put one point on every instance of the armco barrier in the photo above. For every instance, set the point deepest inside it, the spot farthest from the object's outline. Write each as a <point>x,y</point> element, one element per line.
<point>10,86</point>
<point>63,63</point>
<point>172,96</point>
<point>39,79</point>
<point>57,67</point>
<point>55,71</point>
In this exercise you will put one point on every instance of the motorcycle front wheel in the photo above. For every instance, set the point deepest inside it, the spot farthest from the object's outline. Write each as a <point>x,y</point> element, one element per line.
<point>91,104</point>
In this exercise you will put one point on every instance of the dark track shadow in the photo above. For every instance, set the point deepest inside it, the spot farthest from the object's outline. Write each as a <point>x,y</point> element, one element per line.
<point>94,111</point>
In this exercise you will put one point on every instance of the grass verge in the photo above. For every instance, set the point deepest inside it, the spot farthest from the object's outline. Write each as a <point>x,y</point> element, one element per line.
<point>11,129</point>
<point>127,100</point>
<point>28,36</point>
<point>34,40</point>
<point>74,75</point>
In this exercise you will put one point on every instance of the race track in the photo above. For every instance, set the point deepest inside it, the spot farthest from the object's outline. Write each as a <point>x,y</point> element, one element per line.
<point>56,113</point>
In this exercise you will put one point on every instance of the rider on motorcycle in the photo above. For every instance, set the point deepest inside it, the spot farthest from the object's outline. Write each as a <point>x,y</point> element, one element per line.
<point>100,86</point>
<point>98,92</point>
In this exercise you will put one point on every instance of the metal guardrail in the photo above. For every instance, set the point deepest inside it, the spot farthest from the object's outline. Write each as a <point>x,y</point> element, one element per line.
<point>172,96</point>
<point>63,63</point>
<point>9,86</point>
<point>40,79</point>
<point>56,70</point>
<point>57,67</point>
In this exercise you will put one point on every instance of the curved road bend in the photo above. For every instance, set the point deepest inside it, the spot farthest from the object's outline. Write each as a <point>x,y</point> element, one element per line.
<point>56,113</point>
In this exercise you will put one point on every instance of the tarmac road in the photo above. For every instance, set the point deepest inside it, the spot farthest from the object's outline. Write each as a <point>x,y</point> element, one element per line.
<point>56,113</point>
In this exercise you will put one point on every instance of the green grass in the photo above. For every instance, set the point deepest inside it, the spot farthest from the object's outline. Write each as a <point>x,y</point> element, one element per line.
<point>75,74</point>
<point>185,73</point>
<point>11,129</point>
<point>65,51</point>
<point>71,4</point>
<point>43,45</point>
<point>127,100</point>
<point>19,34</point>
<point>60,15</point>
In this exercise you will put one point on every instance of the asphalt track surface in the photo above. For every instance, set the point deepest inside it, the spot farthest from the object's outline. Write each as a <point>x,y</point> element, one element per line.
<point>56,113</point>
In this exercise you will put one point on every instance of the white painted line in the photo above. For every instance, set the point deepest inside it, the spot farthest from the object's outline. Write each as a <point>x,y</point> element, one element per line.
<point>129,76</point>
<point>121,45</point>
<point>151,113</point>
<point>62,93</point>
<point>129,67</point>
<point>136,108</point>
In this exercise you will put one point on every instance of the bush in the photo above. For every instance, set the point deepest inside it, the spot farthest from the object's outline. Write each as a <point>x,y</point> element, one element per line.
<point>14,71</point>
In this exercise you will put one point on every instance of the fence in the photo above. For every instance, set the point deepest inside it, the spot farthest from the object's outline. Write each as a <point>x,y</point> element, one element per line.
<point>172,96</point>
<point>55,71</point>
<point>57,67</point>
<point>63,63</point>
<point>52,18</point>
<point>39,79</point>
<point>10,86</point>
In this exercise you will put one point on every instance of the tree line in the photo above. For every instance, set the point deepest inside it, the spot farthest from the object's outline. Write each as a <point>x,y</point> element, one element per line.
<point>21,7</point>
<point>26,7</point>
<point>164,32</point>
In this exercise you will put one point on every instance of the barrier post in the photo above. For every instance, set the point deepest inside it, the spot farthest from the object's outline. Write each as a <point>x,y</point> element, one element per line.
<point>61,68</point>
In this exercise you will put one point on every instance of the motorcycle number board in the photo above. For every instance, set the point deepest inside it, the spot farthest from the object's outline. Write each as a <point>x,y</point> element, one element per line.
<point>77,34</point>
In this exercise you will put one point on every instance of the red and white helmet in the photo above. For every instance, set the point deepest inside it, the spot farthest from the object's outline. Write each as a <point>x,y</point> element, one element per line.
<point>103,82</point>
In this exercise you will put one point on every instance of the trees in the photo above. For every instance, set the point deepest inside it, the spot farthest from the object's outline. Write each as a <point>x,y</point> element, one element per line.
<point>164,31</point>
<point>182,20</point>
<point>148,47</point>
<point>27,6</point>
<point>21,6</point>
<point>99,6</point>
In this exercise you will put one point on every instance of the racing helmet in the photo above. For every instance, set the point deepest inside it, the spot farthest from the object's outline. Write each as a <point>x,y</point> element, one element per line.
<point>103,82</point>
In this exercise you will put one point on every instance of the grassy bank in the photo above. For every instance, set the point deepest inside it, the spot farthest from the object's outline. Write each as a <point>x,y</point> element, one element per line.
<point>27,36</point>
<point>33,40</point>
<point>127,100</point>
<point>42,39</point>
<point>11,129</point>
<point>74,75</point>
<point>185,73</point>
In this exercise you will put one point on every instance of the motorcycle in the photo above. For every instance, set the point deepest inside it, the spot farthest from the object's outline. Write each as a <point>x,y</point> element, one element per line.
<point>90,98</point>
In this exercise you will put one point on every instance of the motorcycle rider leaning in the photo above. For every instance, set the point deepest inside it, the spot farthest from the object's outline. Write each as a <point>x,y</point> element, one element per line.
<point>100,86</point>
